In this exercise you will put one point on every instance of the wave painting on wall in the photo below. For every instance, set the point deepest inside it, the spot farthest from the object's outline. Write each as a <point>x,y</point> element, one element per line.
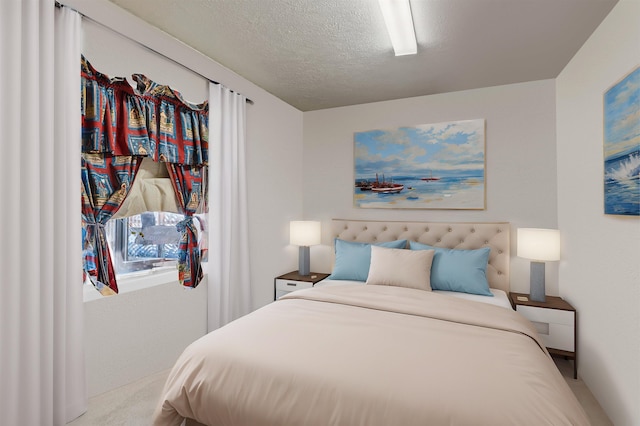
<point>428,166</point>
<point>622,146</point>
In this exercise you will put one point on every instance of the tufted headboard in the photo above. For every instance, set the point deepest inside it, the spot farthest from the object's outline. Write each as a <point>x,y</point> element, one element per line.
<point>459,235</point>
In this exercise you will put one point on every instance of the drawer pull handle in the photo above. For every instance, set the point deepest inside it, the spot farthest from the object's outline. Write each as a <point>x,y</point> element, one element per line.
<point>541,327</point>
<point>291,284</point>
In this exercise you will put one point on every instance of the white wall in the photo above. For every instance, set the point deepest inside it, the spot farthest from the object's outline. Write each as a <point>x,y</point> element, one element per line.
<point>520,161</point>
<point>600,274</point>
<point>122,344</point>
<point>138,333</point>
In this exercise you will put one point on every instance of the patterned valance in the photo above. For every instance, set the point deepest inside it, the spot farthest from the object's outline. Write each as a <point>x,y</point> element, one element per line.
<point>151,120</point>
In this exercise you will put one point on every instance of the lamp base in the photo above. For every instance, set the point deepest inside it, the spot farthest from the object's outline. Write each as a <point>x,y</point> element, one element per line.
<point>536,289</point>
<point>303,260</point>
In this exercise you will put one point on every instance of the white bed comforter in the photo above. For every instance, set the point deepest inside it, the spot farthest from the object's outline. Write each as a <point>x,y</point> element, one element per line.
<point>369,355</point>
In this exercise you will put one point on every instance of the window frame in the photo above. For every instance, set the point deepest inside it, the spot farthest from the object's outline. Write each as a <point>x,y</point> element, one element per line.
<point>118,241</point>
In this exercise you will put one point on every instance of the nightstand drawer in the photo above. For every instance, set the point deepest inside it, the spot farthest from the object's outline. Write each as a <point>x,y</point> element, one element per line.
<point>289,285</point>
<point>555,316</point>
<point>556,327</point>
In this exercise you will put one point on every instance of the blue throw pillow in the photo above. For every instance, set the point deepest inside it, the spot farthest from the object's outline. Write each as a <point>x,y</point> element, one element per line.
<point>353,259</point>
<point>464,271</point>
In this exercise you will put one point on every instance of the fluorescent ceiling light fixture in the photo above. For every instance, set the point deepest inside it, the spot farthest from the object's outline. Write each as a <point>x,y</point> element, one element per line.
<point>397,16</point>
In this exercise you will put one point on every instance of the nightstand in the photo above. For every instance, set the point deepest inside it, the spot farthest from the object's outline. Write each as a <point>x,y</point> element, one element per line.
<point>294,281</point>
<point>555,321</point>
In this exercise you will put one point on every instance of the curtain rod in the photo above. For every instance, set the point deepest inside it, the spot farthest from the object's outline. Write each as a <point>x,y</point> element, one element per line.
<point>60,5</point>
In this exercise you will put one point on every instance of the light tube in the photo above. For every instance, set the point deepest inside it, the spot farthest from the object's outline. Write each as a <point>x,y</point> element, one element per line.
<point>397,16</point>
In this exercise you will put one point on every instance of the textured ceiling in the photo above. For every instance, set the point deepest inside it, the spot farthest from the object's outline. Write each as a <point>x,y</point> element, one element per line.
<point>316,54</point>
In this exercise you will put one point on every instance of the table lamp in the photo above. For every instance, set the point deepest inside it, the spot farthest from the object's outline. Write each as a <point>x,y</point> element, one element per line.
<point>304,233</point>
<point>539,245</point>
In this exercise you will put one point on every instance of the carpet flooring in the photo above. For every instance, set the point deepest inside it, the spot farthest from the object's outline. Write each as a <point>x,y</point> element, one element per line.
<point>133,404</point>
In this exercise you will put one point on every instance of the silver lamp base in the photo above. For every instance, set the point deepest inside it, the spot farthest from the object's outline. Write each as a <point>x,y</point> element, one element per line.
<point>536,289</point>
<point>303,260</point>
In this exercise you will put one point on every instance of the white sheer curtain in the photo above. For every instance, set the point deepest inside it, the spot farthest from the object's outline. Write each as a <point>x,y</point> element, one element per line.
<point>42,372</point>
<point>229,280</point>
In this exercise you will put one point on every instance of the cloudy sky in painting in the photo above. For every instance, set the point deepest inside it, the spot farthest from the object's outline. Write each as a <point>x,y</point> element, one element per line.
<point>622,115</point>
<point>445,148</point>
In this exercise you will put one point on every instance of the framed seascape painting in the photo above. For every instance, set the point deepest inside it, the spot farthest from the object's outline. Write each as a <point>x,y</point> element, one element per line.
<point>622,146</point>
<point>428,166</point>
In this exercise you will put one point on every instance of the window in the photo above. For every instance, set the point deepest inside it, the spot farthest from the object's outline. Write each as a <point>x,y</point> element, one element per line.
<point>144,241</point>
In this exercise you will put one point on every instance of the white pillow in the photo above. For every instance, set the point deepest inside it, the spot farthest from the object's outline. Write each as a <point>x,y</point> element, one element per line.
<point>400,267</point>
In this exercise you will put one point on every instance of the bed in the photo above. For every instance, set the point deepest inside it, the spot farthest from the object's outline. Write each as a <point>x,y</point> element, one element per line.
<point>397,348</point>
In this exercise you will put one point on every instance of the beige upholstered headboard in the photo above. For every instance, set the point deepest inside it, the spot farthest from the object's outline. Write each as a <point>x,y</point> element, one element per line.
<point>459,235</point>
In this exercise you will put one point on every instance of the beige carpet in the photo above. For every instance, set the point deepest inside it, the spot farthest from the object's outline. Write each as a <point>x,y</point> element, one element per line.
<point>130,405</point>
<point>596,414</point>
<point>133,404</point>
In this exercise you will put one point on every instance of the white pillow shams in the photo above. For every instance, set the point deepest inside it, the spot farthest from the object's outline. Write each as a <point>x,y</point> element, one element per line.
<point>401,268</point>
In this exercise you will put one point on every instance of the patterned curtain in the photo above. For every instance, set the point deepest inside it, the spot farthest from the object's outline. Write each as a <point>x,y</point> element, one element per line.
<point>114,137</point>
<point>106,180</point>
<point>189,188</point>
<point>181,133</point>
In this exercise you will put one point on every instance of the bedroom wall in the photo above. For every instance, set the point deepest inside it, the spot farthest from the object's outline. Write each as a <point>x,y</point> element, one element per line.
<point>135,334</point>
<point>520,162</point>
<point>600,273</point>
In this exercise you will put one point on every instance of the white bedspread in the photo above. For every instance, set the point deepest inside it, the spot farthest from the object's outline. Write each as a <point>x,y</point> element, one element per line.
<point>370,355</point>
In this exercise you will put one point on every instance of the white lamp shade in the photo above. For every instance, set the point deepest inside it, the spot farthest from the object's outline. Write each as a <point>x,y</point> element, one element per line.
<point>539,244</point>
<point>304,233</point>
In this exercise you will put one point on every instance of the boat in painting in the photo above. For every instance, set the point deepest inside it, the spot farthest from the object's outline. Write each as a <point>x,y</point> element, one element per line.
<point>364,185</point>
<point>385,187</point>
<point>389,189</point>
<point>430,178</point>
